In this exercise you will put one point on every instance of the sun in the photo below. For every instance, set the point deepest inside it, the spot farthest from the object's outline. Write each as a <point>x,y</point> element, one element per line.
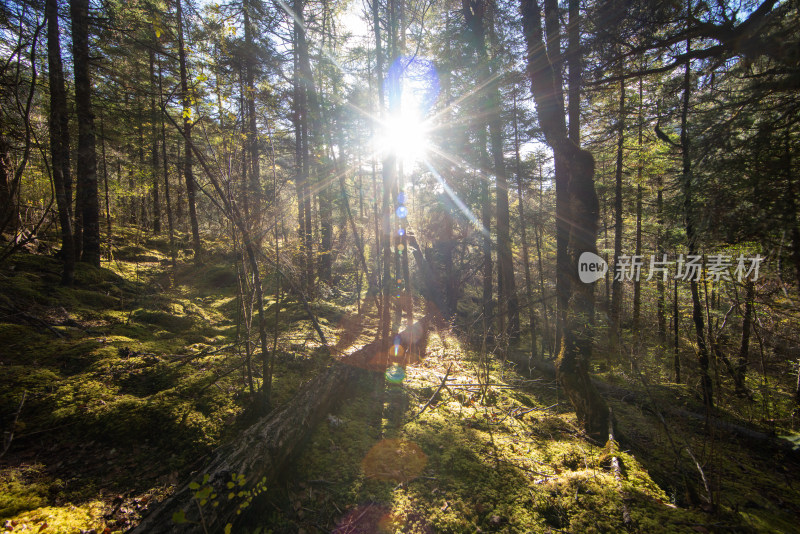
<point>404,136</point>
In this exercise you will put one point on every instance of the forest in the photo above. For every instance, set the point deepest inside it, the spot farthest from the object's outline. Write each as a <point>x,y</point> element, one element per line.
<point>399,266</point>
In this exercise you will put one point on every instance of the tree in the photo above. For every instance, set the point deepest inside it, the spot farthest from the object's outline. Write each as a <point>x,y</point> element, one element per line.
<point>576,169</point>
<point>87,200</point>
<point>59,141</point>
<point>186,100</point>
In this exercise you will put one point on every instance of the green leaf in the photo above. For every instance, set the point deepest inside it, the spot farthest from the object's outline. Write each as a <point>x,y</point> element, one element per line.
<point>194,486</point>
<point>179,517</point>
<point>228,528</point>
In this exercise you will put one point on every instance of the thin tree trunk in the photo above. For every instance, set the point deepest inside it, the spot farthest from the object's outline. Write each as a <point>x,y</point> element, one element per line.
<point>59,142</point>
<point>660,290</point>
<point>154,157</point>
<point>538,229</point>
<point>187,128</point>
<point>87,158</point>
<point>109,237</point>
<point>254,186</point>
<point>523,235</point>
<point>616,285</point>
<point>170,221</point>
<point>310,117</point>
<point>691,237</point>
<point>744,347</point>
<point>675,346</point>
<point>637,287</point>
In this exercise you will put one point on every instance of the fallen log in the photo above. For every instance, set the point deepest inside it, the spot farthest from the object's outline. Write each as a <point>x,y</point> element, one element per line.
<point>239,470</point>
<point>755,437</point>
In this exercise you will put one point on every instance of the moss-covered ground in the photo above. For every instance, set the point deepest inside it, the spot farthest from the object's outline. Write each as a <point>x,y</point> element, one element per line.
<point>115,389</point>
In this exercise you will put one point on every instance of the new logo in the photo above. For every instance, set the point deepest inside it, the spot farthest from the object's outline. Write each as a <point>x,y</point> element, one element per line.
<point>591,267</point>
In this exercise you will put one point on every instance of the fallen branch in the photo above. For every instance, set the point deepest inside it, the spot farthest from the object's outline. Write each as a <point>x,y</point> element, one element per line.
<point>439,389</point>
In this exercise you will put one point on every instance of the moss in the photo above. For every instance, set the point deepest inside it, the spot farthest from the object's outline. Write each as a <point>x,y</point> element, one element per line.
<point>67,519</point>
<point>22,488</point>
<point>14,336</point>
<point>168,321</point>
<point>95,299</point>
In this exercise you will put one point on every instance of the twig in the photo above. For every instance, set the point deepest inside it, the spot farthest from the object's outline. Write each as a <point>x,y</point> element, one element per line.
<point>444,380</point>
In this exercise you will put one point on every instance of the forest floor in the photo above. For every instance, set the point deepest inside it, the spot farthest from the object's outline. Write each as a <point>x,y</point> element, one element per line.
<point>116,389</point>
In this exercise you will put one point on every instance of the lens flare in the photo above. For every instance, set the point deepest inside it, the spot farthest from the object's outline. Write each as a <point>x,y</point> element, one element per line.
<point>395,374</point>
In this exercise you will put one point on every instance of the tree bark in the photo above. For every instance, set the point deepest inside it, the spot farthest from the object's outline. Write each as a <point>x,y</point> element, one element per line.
<point>675,340</point>
<point>661,310</point>
<point>87,158</point>
<point>59,142</point>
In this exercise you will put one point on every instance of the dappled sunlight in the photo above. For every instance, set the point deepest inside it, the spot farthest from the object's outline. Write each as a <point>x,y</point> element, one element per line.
<point>394,460</point>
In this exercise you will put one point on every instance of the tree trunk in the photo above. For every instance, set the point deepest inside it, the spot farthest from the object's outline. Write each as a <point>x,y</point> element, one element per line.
<point>259,454</point>
<point>254,186</point>
<point>537,230</point>
<point>523,236</point>
<point>187,129</point>
<point>675,341</point>
<point>311,117</point>
<point>105,186</point>
<point>154,156</point>
<point>582,213</point>
<point>87,159</point>
<point>637,286</point>
<point>691,237</point>
<point>744,348</point>
<point>59,142</point>
<point>508,304</point>
<point>170,221</point>
<point>661,310</point>
<point>616,285</point>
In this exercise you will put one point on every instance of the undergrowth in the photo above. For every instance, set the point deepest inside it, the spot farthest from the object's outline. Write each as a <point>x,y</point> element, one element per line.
<point>116,388</point>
